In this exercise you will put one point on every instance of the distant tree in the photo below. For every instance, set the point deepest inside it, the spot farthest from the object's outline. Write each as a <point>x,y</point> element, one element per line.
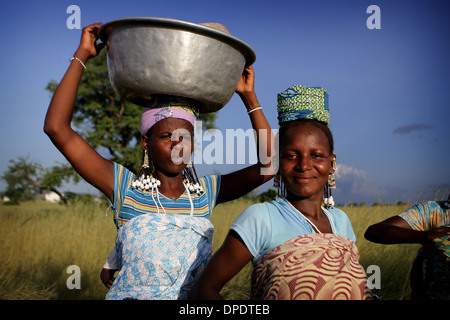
<point>74,198</point>
<point>267,196</point>
<point>107,121</point>
<point>26,179</point>
<point>377,204</point>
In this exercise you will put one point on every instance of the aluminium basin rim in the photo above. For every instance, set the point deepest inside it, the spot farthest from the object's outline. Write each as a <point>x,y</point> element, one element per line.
<point>234,42</point>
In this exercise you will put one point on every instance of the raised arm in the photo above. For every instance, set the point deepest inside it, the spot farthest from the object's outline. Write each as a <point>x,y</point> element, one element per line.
<point>96,170</point>
<point>241,182</point>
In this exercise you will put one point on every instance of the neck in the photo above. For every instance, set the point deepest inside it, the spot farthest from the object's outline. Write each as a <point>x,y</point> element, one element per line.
<point>312,210</point>
<point>171,186</point>
<point>311,207</point>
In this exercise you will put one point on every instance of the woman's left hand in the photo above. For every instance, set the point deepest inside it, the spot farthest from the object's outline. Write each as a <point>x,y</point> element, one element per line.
<point>246,88</point>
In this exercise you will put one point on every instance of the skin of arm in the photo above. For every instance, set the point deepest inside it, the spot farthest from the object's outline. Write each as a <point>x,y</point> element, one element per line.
<point>241,182</point>
<point>95,169</point>
<point>397,230</point>
<point>228,260</point>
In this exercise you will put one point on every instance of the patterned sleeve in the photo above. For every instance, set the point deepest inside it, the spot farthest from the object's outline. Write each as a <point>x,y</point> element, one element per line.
<point>426,215</point>
<point>122,180</point>
<point>211,185</point>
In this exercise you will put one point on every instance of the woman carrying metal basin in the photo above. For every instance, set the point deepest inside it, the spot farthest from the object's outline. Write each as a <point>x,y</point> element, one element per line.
<point>162,213</point>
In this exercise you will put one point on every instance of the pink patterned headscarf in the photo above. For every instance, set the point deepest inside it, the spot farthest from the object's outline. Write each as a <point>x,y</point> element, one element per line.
<point>169,108</point>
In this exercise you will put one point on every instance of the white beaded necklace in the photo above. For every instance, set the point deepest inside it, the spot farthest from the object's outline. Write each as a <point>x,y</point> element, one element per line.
<point>149,183</point>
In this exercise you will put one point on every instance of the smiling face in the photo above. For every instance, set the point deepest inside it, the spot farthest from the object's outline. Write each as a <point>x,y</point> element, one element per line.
<point>169,143</point>
<point>305,162</point>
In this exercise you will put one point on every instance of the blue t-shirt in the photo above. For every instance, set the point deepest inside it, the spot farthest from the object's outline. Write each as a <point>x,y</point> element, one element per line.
<point>265,226</point>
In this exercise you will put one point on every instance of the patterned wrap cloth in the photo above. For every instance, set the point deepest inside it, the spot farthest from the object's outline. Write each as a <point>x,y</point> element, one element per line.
<point>311,267</point>
<point>430,272</point>
<point>161,256</point>
<point>298,102</point>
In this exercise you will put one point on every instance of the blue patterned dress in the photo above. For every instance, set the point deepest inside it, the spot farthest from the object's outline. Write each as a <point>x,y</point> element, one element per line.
<point>161,247</point>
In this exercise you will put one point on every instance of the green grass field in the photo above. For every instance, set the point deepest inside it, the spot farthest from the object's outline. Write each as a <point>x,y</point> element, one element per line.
<point>39,241</point>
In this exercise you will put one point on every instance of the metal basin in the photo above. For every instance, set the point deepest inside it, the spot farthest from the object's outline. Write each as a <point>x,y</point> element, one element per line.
<point>158,56</point>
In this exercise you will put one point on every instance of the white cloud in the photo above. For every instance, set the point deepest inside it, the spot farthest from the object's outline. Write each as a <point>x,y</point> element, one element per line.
<point>342,170</point>
<point>353,186</point>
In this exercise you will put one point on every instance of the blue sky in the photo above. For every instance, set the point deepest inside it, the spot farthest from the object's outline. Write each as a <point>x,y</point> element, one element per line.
<point>389,88</point>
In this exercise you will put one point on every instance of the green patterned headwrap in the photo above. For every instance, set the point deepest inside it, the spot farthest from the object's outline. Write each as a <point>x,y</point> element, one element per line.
<point>301,102</point>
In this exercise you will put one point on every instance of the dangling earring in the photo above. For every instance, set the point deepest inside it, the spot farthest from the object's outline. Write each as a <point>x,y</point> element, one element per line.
<point>331,184</point>
<point>190,179</point>
<point>146,163</point>
<point>278,184</point>
<point>277,181</point>
<point>145,179</point>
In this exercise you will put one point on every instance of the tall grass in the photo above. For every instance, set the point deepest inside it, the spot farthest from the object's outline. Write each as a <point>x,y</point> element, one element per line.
<point>394,260</point>
<point>39,241</point>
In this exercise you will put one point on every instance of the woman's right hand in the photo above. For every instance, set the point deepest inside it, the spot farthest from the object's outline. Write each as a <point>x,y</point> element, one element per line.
<point>89,47</point>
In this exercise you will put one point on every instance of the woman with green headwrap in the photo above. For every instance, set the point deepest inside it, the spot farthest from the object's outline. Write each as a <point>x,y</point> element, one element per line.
<point>301,246</point>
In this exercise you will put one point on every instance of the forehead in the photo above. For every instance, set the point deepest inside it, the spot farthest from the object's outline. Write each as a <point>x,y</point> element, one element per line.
<point>304,135</point>
<point>171,124</point>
